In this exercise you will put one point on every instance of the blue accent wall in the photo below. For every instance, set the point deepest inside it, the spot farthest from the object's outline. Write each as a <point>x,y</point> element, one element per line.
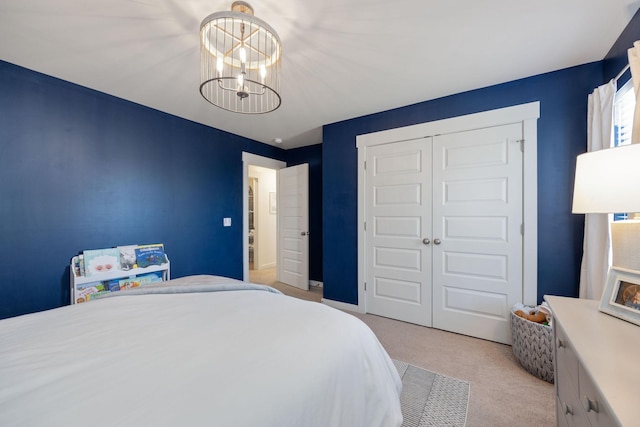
<point>80,169</point>
<point>313,156</point>
<point>561,137</point>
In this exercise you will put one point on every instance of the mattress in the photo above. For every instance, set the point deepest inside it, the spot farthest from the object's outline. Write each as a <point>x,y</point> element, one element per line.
<point>197,351</point>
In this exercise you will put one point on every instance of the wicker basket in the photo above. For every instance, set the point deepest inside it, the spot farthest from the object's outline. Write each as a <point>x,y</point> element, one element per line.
<point>532,345</point>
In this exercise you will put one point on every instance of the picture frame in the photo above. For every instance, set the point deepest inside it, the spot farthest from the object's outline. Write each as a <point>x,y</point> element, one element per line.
<point>621,296</point>
<point>273,203</point>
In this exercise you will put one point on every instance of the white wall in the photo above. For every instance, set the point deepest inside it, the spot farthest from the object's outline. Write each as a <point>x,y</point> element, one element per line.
<point>265,238</point>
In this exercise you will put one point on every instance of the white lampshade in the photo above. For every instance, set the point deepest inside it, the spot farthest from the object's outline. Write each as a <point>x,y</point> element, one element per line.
<point>608,181</point>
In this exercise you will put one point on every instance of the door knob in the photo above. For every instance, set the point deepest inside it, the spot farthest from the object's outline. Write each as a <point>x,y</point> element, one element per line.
<point>426,241</point>
<point>304,233</point>
<point>437,241</point>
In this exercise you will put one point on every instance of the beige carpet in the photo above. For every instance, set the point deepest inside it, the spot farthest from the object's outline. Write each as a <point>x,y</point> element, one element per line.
<point>502,392</point>
<point>267,276</point>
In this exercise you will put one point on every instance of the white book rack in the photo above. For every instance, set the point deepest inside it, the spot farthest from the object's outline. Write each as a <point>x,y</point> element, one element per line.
<point>78,281</point>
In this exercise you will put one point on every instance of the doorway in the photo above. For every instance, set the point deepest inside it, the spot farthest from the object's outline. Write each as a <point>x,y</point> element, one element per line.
<point>250,251</point>
<point>262,224</point>
<point>290,207</point>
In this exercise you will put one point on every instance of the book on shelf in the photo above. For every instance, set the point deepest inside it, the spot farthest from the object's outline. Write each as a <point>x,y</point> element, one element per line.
<point>112,285</point>
<point>97,295</point>
<point>149,278</point>
<point>129,283</point>
<point>78,265</point>
<point>83,292</point>
<point>98,261</point>
<point>128,257</point>
<point>147,255</point>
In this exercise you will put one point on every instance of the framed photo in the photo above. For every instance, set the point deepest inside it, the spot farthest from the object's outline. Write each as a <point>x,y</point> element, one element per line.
<point>272,203</point>
<point>621,296</point>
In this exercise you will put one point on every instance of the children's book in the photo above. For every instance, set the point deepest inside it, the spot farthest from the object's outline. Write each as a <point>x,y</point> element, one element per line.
<point>129,283</point>
<point>81,264</point>
<point>112,285</point>
<point>101,261</point>
<point>128,257</point>
<point>97,295</point>
<point>149,278</point>
<point>150,255</point>
<point>84,291</point>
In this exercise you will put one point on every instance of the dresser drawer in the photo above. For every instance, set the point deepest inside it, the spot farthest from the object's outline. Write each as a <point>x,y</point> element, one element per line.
<point>570,411</point>
<point>566,358</point>
<point>562,422</point>
<point>592,403</point>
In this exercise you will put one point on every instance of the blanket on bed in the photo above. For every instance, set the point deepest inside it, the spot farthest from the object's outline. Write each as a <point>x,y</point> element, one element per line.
<point>227,358</point>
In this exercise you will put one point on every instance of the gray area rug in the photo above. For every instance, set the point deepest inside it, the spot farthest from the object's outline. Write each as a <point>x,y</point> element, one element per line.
<point>431,399</point>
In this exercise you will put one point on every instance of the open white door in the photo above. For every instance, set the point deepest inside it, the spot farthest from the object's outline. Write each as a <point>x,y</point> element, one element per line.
<point>293,226</point>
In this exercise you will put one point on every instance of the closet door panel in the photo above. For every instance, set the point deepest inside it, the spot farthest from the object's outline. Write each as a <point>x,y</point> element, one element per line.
<point>477,214</point>
<point>398,205</point>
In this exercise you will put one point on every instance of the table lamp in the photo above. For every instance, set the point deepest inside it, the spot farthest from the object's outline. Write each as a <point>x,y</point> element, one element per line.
<point>608,181</point>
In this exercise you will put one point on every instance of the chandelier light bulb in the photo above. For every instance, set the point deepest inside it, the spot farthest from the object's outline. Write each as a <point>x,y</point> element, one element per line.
<point>263,72</point>
<point>243,55</point>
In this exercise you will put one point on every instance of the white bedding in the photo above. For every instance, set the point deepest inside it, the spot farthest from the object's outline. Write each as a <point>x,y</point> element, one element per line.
<point>227,358</point>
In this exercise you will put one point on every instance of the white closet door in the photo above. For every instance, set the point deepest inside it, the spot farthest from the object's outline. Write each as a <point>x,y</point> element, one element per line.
<point>477,211</point>
<point>398,208</point>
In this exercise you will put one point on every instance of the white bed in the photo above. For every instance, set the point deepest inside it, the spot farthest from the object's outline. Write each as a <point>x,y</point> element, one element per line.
<point>195,353</point>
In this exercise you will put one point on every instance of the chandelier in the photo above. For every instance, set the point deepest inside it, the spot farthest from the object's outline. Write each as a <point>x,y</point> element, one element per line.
<point>240,61</point>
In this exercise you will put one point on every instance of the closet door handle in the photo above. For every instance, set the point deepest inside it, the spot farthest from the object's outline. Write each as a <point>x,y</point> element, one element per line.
<point>437,241</point>
<point>426,241</point>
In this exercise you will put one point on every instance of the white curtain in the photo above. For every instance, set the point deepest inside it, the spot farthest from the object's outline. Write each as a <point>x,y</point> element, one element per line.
<point>596,248</point>
<point>634,63</point>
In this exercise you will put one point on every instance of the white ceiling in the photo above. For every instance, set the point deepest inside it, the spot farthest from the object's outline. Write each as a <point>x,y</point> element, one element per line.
<point>342,58</point>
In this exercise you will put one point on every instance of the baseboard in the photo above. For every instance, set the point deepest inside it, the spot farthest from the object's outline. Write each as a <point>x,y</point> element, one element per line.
<point>315,283</point>
<point>341,305</point>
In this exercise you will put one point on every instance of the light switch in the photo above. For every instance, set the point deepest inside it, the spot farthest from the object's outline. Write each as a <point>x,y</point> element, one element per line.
<point>226,222</point>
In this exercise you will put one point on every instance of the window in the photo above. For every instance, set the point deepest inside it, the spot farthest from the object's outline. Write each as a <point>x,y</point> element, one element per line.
<point>624,105</point>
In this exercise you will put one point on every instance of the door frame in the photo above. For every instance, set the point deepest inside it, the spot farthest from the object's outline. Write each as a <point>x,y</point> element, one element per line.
<point>527,114</point>
<point>254,160</point>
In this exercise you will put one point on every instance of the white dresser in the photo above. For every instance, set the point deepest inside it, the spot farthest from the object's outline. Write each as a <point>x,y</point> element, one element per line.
<point>597,365</point>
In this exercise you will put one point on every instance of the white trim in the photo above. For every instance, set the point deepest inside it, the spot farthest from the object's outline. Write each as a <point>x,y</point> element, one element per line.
<point>362,296</point>
<point>342,305</point>
<point>501,116</point>
<point>530,213</point>
<point>316,283</point>
<point>255,160</point>
<point>527,114</point>
<point>265,162</point>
